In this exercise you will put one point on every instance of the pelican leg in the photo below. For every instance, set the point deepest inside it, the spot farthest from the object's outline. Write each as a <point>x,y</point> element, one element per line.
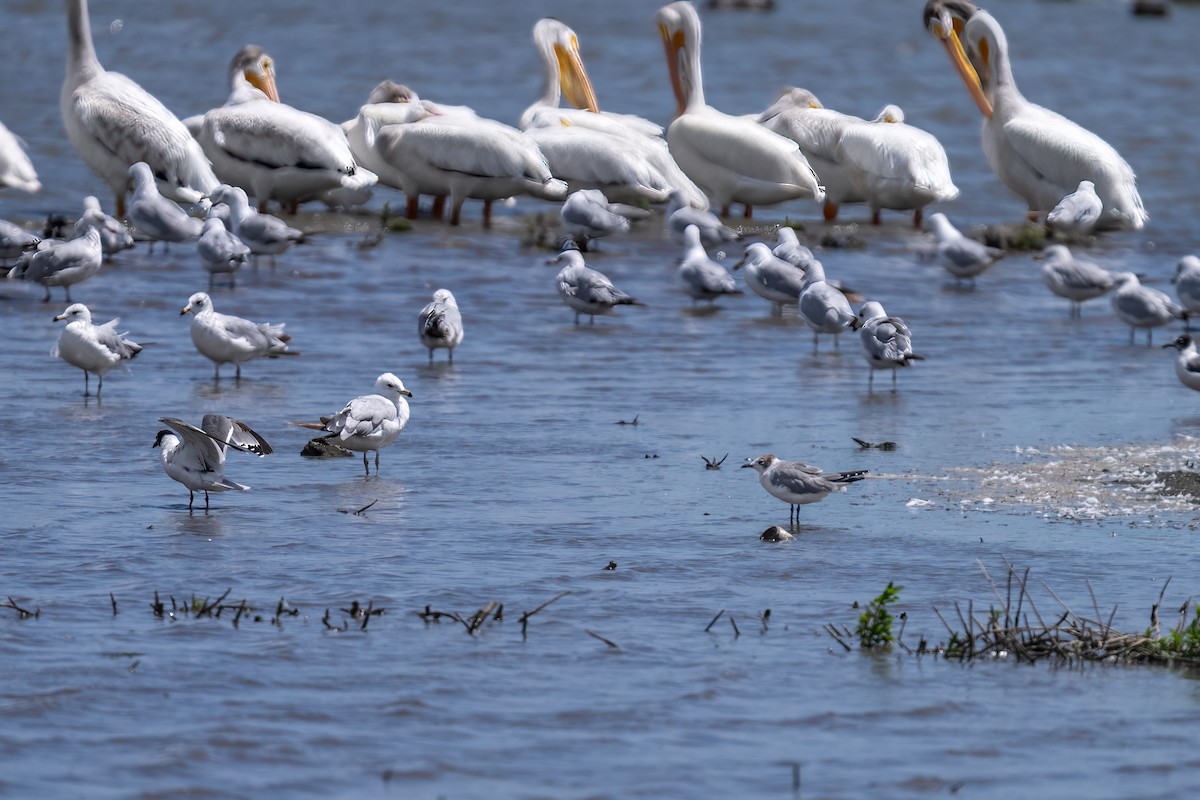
<point>412,206</point>
<point>439,207</point>
<point>120,198</point>
<point>830,211</point>
<point>724,212</point>
<point>876,217</point>
<point>918,218</point>
<point>487,213</point>
<point>747,211</point>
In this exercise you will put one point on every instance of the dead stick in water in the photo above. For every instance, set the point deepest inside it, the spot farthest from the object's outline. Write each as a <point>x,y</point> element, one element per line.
<point>524,620</point>
<point>595,635</point>
<point>114,603</point>
<point>714,620</point>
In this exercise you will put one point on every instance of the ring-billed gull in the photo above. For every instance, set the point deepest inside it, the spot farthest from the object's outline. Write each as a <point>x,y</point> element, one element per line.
<point>586,290</point>
<point>586,214</point>
<point>886,341</point>
<point>155,216</point>
<point>962,257</point>
<point>788,248</point>
<point>1142,307</point>
<point>92,348</point>
<point>1077,213</point>
<point>824,307</point>
<point>1187,364</point>
<point>264,234</point>
<point>15,240</point>
<point>440,324</point>
<point>680,214</point>
<point>114,236</point>
<point>224,338</point>
<point>220,251</point>
<point>770,277</point>
<point>797,483</point>
<point>1074,279</point>
<point>703,278</point>
<point>61,263</point>
<point>1187,286</point>
<point>196,456</point>
<point>370,422</point>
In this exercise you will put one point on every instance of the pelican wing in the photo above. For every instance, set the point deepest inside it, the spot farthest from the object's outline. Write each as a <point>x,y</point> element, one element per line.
<point>475,147</point>
<point>276,135</point>
<point>744,147</point>
<point>898,152</point>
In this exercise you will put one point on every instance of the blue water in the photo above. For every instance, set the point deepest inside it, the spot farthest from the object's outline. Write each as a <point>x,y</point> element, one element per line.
<point>513,482</point>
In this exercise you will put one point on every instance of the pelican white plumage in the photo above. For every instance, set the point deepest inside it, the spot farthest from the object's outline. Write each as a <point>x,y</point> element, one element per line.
<point>370,422</point>
<point>733,159</point>
<point>1141,306</point>
<point>92,348</point>
<point>270,149</point>
<point>1187,286</point>
<point>114,236</point>
<point>196,456</point>
<point>1073,278</point>
<point>16,170</point>
<point>1077,213</point>
<point>114,123</point>
<point>61,263</point>
<point>440,324</point>
<point>896,166</point>
<point>886,341</point>
<point>223,338</point>
<point>1038,154</point>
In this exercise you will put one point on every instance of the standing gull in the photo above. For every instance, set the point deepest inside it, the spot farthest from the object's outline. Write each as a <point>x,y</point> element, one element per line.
<point>92,348</point>
<point>1142,307</point>
<point>586,290</point>
<point>770,277</point>
<point>703,278</point>
<point>788,247</point>
<point>224,338</point>
<point>886,341</point>
<point>264,234</point>
<point>586,214</point>
<point>196,456</point>
<point>1187,286</point>
<point>160,219</point>
<point>440,325</point>
<point>370,422</point>
<point>823,306</point>
<point>220,251</point>
<point>797,483</point>
<point>1073,279</point>
<point>962,257</point>
<point>679,215</point>
<point>61,263</point>
<point>1077,213</point>
<point>1187,364</point>
<point>114,236</point>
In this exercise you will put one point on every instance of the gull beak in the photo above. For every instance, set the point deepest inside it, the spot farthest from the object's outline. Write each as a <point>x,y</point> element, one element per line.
<point>947,29</point>
<point>573,78</point>
<point>263,78</point>
<point>185,310</point>
<point>406,392</point>
<point>60,318</point>
<point>748,465</point>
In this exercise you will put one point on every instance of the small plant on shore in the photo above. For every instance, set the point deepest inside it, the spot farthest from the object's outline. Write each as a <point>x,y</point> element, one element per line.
<point>875,624</point>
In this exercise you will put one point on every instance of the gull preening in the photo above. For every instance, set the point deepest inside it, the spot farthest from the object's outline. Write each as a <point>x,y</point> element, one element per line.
<point>160,219</point>
<point>962,257</point>
<point>61,263</point>
<point>823,306</point>
<point>1078,213</point>
<point>92,348</point>
<point>1187,286</point>
<point>797,483</point>
<point>1187,363</point>
<point>703,278</point>
<point>370,422</point>
<point>196,456</point>
<point>1074,279</point>
<point>114,236</point>
<point>440,324</point>
<point>225,339</point>
<point>585,290</point>
<point>1142,307</point>
<point>886,341</point>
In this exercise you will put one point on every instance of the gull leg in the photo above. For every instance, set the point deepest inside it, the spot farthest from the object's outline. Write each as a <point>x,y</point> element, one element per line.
<point>238,373</point>
<point>893,381</point>
<point>431,355</point>
<point>100,388</point>
<point>85,383</point>
<point>870,381</point>
<point>206,500</point>
<point>455,209</point>
<point>191,499</point>
<point>365,467</point>
<point>376,463</point>
<point>1132,330</point>
<point>46,299</point>
<point>451,353</point>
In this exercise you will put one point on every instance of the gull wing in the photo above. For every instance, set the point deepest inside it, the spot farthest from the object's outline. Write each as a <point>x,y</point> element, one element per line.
<point>230,432</point>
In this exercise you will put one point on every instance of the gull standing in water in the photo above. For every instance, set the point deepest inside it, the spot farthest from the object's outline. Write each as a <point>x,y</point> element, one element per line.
<point>220,251</point>
<point>440,325</point>
<point>224,338</point>
<point>586,290</point>
<point>770,277</point>
<point>797,483</point>
<point>1142,307</point>
<point>155,216</point>
<point>1078,213</point>
<point>16,170</point>
<point>61,263</point>
<point>114,236</point>
<point>1073,279</point>
<point>1187,286</point>
<point>962,257</point>
<point>196,456</point>
<point>886,341</point>
<point>788,248</point>
<point>679,215</point>
<point>92,348</point>
<point>370,422</point>
<point>1187,364</point>
<point>264,234</point>
<point>703,278</point>
<point>823,306</point>
<point>586,214</point>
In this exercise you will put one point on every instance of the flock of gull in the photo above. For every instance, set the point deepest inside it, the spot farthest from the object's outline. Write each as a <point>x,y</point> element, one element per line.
<point>190,182</point>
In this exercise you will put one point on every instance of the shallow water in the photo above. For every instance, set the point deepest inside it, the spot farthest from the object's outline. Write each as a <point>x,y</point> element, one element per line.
<point>514,483</point>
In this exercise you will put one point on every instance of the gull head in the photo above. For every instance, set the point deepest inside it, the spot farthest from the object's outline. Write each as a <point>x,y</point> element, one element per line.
<point>1181,343</point>
<point>75,313</point>
<point>165,438</point>
<point>760,464</point>
<point>197,303</point>
<point>388,384</point>
<point>869,310</point>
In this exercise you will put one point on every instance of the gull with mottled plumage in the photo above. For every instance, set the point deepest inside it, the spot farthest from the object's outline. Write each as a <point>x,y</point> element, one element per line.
<point>196,456</point>
<point>440,324</point>
<point>770,277</point>
<point>962,257</point>
<point>886,341</point>
<point>220,251</point>
<point>92,348</point>
<point>1187,363</point>
<point>703,278</point>
<point>1073,278</point>
<point>1187,287</point>
<point>823,306</point>
<point>114,236</point>
<point>156,217</point>
<point>797,483</point>
<point>370,422</point>
<point>1142,307</point>
<point>1078,213</point>
<point>585,290</point>
<point>61,263</point>
<point>224,338</point>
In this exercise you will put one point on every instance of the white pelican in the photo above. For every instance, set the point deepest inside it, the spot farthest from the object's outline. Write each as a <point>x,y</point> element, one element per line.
<point>799,115</point>
<point>896,166</point>
<point>270,149</point>
<point>370,422</point>
<point>733,159</point>
<point>114,123</point>
<point>1038,154</point>
<point>196,456</point>
<point>585,290</point>
<point>1073,278</point>
<point>886,341</point>
<point>223,338</point>
<point>16,170</point>
<point>440,324</point>
<point>92,348</point>
<point>622,154</point>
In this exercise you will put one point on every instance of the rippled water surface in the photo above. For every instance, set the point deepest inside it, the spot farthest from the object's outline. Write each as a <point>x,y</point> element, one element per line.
<point>1024,435</point>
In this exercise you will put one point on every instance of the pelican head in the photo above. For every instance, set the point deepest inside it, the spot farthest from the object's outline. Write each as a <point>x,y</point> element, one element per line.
<point>565,75</point>
<point>255,67</point>
<point>947,20</point>
<point>391,92</point>
<point>679,27</point>
<point>890,113</point>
